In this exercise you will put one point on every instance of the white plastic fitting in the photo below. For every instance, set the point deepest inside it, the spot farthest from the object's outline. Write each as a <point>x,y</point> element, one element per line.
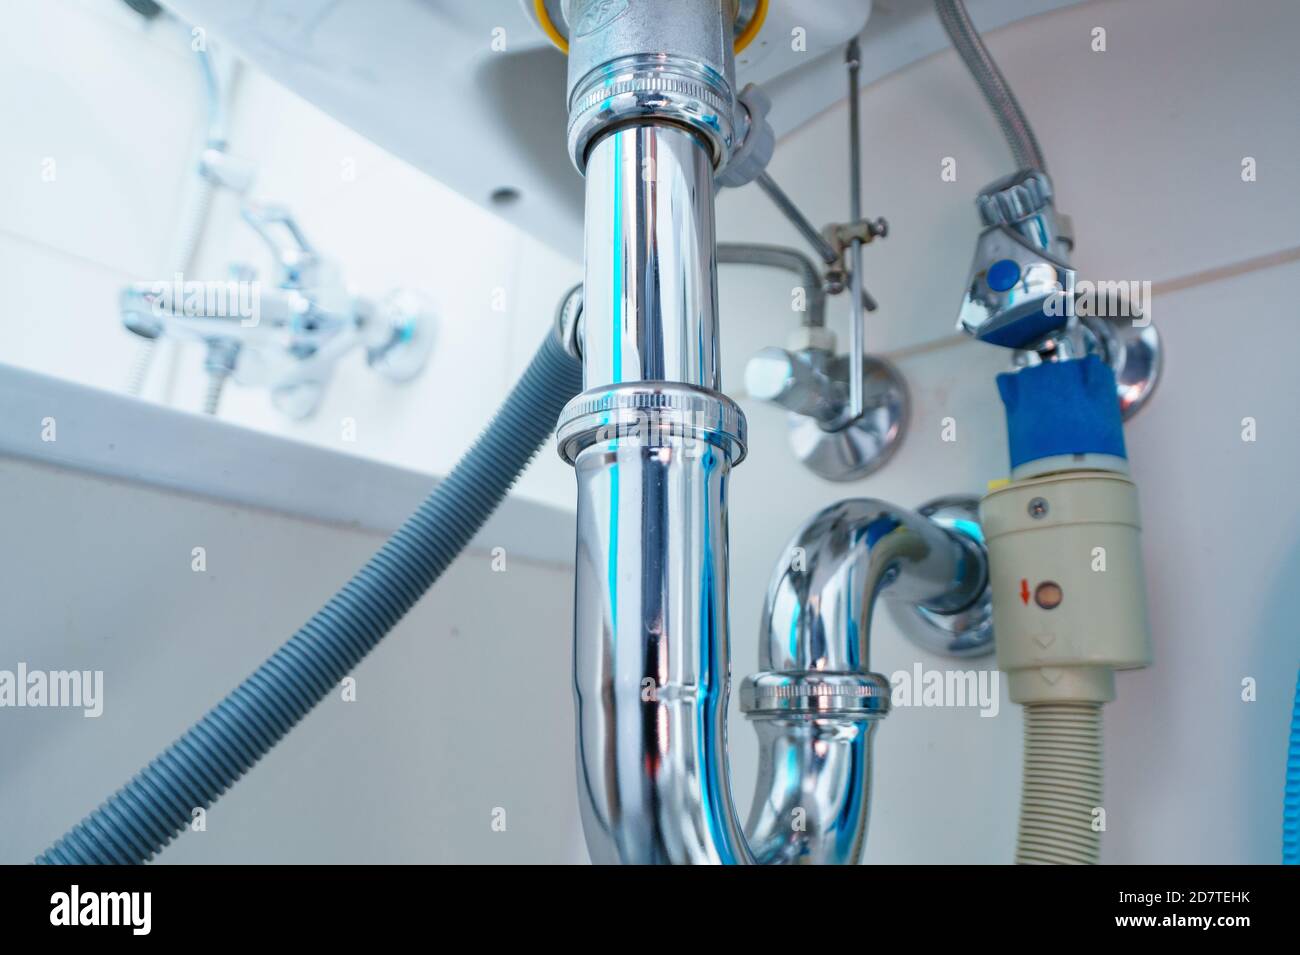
<point>1069,594</point>
<point>1069,609</point>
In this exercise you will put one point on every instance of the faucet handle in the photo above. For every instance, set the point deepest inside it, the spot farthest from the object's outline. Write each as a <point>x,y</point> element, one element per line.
<point>282,234</point>
<point>1014,198</point>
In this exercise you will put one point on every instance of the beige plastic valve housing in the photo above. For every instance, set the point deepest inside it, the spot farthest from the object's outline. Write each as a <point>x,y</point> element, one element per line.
<point>1069,594</point>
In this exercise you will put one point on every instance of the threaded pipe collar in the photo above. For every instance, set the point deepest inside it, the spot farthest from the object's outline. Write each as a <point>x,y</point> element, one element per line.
<point>652,88</point>
<point>1014,198</point>
<point>650,411</point>
<point>815,693</point>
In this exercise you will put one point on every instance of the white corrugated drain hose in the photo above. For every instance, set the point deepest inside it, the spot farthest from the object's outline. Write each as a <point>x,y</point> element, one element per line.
<point>1062,785</point>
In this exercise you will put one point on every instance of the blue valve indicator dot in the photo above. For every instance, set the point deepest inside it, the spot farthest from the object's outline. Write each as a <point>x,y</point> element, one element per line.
<point>1003,274</point>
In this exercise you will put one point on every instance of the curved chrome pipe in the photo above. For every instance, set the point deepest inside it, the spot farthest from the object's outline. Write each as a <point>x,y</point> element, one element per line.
<point>780,257</point>
<point>651,659</point>
<point>816,702</point>
<point>820,602</point>
<point>651,662</point>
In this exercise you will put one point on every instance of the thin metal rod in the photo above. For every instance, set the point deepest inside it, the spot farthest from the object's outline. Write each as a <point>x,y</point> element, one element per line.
<point>857,346</point>
<point>797,219</point>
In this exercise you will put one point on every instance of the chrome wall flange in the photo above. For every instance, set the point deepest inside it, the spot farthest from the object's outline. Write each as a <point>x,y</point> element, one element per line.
<point>1133,351</point>
<point>400,336</point>
<point>967,631</point>
<point>846,452</point>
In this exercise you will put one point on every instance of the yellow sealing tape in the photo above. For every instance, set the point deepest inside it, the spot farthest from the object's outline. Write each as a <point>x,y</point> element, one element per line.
<point>555,36</point>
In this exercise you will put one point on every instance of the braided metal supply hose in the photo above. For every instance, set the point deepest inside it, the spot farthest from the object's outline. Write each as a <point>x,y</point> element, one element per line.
<point>1015,126</point>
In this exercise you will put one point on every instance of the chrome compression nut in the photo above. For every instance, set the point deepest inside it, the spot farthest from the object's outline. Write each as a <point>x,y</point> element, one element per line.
<point>1014,198</point>
<point>651,411</point>
<point>628,63</point>
<point>647,88</point>
<point>815,693</point>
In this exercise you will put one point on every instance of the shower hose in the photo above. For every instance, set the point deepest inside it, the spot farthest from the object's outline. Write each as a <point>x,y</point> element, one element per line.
<point>149,811</point>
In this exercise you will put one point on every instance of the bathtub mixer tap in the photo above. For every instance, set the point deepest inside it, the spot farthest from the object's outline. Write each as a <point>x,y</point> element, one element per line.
<point>288,338</point>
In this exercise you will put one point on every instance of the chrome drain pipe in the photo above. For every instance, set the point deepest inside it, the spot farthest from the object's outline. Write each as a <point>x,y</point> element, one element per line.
<point>653,439</point>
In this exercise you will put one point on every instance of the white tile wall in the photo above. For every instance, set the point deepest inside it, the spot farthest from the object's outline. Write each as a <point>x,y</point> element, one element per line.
<point>410,771</point>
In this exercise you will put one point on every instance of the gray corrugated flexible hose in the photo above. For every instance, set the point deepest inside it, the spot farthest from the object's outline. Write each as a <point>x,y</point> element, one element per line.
<point>1015,126</point>
<point>1062,785</point>
<point>149,811</point>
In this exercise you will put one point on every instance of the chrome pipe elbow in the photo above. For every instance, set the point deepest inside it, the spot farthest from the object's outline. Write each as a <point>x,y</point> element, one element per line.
<point>819,605</point>
<point>791,260</point>
<point>816,702</point>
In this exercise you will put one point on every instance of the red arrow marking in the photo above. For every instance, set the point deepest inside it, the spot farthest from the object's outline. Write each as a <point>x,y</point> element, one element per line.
<point>1024,590</point>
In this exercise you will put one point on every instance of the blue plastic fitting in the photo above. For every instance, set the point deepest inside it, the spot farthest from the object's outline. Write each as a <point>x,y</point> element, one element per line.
<point>1062,408</point>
